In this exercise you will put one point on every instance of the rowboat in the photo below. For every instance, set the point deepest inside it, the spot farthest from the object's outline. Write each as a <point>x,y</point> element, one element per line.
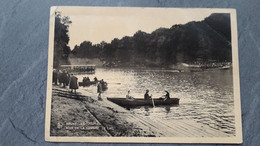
<point>142,102</point>
<point>86,83</point>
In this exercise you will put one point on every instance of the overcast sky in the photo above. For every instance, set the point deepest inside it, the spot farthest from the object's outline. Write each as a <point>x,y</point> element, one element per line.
<point>98,24</point>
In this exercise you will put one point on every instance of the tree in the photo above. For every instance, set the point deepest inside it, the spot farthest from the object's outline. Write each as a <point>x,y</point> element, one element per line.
<point>61,39</point>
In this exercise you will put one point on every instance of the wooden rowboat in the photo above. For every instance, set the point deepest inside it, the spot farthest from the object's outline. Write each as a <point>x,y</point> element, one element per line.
<point>142,102</point>
<point>86,84</point>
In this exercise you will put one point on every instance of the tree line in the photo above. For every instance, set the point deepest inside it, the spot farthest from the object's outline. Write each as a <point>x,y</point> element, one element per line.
<point>203,41</point>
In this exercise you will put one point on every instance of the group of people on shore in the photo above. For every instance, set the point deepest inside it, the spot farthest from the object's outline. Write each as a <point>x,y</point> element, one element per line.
<point>63,78</point>
<point>148,97</point>
<point>60,77</point>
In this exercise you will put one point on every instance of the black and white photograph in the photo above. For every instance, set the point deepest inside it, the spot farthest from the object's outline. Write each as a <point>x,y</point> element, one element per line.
<point>143,75</point>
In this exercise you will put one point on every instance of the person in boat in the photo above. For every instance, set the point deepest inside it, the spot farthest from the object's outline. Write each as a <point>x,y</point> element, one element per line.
<point>166,96</point>
<point>128,96</point>
<point>95,80</point>
<point>73,83</point>
<point>87,80</point>
<point>99,90</point>
<point>84,79</point>
<point>146,95</point>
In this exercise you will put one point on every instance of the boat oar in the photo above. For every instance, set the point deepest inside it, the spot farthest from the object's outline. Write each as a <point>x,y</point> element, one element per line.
<point>153,102</point>
<point>115,83</point>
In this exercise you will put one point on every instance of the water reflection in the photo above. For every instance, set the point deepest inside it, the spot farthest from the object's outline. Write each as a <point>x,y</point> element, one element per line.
<point>167,109</point>
<point>146,109</point>
<point>206,97</point>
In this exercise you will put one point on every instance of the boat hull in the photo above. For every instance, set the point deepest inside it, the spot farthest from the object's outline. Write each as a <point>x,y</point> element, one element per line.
<point>86,84</point>
<point>142,102</point>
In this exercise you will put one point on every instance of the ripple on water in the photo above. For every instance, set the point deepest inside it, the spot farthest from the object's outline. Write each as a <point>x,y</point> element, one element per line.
<point>206,97</point>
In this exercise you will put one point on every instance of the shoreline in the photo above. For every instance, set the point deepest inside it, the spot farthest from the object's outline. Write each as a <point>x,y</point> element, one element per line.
<point>178,66</point>
<point>109,121</point>
<point>80,115</point>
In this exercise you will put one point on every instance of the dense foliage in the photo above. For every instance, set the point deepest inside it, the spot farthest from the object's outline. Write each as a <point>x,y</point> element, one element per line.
<point>61,39</point>
<point>205,41</point>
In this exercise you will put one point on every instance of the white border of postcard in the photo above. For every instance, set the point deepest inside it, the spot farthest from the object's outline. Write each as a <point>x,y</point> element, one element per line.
<point>236,85</point>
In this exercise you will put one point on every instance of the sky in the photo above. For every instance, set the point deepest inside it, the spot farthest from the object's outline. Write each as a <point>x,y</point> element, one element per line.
<point>98,24</point>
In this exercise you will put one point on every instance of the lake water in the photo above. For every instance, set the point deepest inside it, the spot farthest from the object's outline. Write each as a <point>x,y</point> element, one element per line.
<point>206,97</point>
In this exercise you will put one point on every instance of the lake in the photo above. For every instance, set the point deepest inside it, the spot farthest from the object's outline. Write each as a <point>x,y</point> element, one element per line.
<point>206,96</point>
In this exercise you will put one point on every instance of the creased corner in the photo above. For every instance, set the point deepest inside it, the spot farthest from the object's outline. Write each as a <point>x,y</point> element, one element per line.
<point>53,10</point>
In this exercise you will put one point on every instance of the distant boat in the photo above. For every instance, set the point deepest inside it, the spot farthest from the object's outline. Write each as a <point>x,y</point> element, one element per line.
<point>87,84</point>
<point>142,102</point>
<point>84,84</point>
<point>226,67</point>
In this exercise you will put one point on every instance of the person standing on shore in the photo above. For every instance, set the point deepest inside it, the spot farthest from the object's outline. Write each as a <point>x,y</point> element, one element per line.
<point>63,77</point>
<point>99,90</point>
<point>58,77</point>
<point>73,83</point>
<point>55,76</point>
<point>67,79</point>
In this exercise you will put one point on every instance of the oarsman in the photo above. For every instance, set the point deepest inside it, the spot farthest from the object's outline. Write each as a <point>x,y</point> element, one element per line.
<point>146,95</point>
<point>166,96</point>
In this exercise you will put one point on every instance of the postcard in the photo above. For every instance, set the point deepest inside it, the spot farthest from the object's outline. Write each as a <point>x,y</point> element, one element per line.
<point>143,75</point>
